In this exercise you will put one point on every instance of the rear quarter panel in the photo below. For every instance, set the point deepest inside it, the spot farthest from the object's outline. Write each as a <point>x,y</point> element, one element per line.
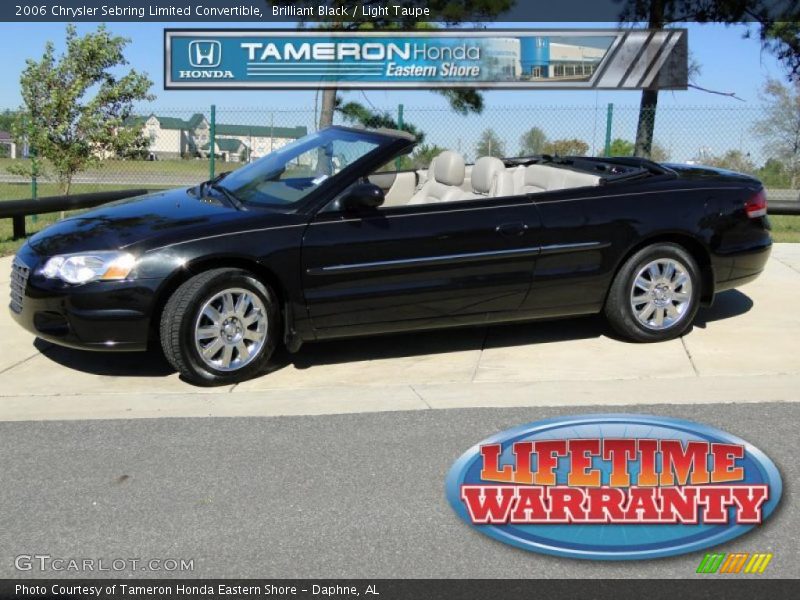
<point>740,246</point>
<point>619,218</point>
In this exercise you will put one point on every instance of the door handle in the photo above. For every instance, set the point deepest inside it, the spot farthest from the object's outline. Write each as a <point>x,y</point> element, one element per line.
<point>511,229</point>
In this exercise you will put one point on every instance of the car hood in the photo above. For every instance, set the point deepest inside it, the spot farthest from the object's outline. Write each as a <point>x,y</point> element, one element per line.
<point>132,221</point>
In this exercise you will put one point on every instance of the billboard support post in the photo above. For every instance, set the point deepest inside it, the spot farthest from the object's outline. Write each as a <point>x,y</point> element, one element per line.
<point>212,141</point>
<point>399,126</point>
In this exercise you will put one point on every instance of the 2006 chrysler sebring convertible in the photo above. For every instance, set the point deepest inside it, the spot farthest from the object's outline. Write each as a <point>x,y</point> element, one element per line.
<point>318,240</point>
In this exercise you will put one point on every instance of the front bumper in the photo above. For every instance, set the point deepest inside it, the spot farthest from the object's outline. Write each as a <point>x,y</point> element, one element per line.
<point>102,315</point>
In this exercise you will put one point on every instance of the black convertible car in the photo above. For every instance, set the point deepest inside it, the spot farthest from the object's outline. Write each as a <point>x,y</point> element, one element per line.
<point>319,240</point>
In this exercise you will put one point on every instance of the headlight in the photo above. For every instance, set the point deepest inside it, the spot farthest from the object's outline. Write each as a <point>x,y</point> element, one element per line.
<point>91,266</point>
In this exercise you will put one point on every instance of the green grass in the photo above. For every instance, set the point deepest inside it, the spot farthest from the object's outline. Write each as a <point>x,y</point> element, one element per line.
<point>20,191</point>
<point>195,168</point>
<point>13,191</point>
<point>785,228</point>
<point>135,174</point>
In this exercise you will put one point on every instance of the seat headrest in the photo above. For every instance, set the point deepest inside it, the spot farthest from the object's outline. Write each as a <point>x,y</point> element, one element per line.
<point>431,168</point>
<point>485,173</point>
<point>448,168</point>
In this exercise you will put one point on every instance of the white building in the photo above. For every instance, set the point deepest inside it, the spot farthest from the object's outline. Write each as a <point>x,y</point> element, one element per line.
<point>173,137</point>
<point>569,61</point>
<point>9,146</point>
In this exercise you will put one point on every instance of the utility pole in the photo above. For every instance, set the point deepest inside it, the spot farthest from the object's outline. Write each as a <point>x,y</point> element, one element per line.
<point>328,106</point>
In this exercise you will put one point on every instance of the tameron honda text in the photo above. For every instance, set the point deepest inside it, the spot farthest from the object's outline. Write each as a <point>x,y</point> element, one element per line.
<point>614,487</point>
<point>270,58</point>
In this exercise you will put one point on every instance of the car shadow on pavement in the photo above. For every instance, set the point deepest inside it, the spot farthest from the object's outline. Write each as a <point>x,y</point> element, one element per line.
<point>153,364</point>
<point>118,364</point>
<point>726,306</point>
<point>441,341</point>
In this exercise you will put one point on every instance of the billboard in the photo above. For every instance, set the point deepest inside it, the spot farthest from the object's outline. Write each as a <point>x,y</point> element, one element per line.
<point>527,59</point>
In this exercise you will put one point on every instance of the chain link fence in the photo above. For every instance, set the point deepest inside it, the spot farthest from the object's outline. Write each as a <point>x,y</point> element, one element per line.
<point>180,142</point>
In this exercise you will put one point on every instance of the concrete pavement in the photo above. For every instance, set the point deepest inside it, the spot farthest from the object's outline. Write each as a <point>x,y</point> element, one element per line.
<point>743,349</point>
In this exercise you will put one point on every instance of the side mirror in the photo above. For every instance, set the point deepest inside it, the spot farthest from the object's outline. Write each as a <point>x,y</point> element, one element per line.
<point>361,196</point>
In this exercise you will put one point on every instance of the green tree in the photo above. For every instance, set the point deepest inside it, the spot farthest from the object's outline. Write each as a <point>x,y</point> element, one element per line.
<point>780,127</point>
<point>783,39</point>
<point>7,119</point>
<point>355,112</point>
<point>75,107</point>
<point>658,153</point>
<point>424,154</point>
<point>733,160</point>
<point>620,147</point>
<point>567,147</point>
<point>448,12</point>
<point>532,142</point>
<point>777,25</point>
<point>774,174</point>
<point>490,145</point>
<point>6,124</point>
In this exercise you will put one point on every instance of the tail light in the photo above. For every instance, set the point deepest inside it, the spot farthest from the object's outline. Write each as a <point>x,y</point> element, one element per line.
<point>757,205</point>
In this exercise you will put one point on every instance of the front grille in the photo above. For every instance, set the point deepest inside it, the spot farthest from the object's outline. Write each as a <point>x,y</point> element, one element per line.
<point>19,280</point>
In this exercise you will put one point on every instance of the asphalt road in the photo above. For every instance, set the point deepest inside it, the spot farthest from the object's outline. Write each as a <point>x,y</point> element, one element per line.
<point>351,495</point>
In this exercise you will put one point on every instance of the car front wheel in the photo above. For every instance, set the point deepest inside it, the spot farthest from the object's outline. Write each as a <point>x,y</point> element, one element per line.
<point>655,294</point>
<point>220,327</point>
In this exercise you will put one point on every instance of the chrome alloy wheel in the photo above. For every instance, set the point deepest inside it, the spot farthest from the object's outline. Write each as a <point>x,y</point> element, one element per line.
<point>661,294</point>
<point>231,329</point>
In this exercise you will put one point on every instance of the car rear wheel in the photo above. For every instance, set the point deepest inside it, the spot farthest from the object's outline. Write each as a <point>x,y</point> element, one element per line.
<point>220,327</point>
<point>655,294</point>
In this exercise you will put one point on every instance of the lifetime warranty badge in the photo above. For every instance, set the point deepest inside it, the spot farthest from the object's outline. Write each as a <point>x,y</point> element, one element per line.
<point>614,487</point>
<point>493,58</point>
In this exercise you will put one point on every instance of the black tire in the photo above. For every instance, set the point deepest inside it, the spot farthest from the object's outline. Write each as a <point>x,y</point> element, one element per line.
<point>618,309</point>
<point>181,316</point>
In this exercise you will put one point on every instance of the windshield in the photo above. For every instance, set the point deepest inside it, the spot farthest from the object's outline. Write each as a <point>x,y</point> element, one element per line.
<point>292,172</point>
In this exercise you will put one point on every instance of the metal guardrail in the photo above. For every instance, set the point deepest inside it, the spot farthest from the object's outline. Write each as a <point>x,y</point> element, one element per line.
<point>17,210</point>
<point>783,208</point>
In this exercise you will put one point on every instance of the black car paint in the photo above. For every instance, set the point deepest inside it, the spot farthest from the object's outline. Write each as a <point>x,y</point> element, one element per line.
<point>399,268</point>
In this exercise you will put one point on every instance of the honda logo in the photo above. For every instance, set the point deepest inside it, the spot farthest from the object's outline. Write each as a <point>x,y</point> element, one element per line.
<point>205,53</point>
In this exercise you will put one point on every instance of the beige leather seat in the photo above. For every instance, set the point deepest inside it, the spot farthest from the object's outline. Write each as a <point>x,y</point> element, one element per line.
<point>445,176</point>
<point>543,178</point>
<point>490,178</point>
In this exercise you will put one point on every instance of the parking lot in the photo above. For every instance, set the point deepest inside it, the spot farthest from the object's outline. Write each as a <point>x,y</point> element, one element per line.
<point>93,469</point>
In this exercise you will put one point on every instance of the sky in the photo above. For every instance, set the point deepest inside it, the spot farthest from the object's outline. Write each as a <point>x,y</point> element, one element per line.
<point>729,63</point>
